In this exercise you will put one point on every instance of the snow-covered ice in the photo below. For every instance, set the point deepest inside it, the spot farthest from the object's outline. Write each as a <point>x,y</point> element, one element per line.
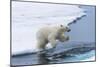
<point>28,17</point>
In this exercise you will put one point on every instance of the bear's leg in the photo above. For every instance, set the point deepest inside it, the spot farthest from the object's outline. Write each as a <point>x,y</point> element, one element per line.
<point>41,44</point>
<point>53,42</point>
<point>63,38</point>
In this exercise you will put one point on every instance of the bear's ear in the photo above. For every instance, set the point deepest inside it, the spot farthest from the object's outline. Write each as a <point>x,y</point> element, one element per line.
<point>61,25</point>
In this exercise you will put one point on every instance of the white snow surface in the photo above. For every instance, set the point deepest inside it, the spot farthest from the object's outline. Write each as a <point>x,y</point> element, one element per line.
<point>28,17</point>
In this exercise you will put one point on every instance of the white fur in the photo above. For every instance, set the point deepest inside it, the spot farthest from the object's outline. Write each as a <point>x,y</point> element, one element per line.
<point>50,34</point>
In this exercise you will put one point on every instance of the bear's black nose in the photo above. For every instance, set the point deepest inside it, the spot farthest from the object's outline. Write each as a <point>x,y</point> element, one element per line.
<point>69,30</point>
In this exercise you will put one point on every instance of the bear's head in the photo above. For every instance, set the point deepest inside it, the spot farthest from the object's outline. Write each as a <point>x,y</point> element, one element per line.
<point>64,28</point>
<point>61,36</point>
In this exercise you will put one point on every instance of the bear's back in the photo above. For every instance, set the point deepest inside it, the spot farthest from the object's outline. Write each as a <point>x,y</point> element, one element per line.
<point>45,31</point>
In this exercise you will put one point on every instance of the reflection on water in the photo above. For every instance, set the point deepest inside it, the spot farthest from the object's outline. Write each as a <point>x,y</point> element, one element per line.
<point>42,59</point>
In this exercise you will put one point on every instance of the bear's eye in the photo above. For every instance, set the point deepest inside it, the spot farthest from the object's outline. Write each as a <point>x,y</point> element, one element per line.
<point>61,25</point>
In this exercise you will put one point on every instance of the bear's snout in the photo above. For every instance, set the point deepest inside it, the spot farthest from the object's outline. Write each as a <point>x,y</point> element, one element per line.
<point>69,30</point>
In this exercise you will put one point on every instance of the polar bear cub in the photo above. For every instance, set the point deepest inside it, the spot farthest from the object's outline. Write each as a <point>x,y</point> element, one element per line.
<point>50,34</point>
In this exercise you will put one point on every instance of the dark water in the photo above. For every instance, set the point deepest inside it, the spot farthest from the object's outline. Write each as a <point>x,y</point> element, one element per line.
<point>80,47</point>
